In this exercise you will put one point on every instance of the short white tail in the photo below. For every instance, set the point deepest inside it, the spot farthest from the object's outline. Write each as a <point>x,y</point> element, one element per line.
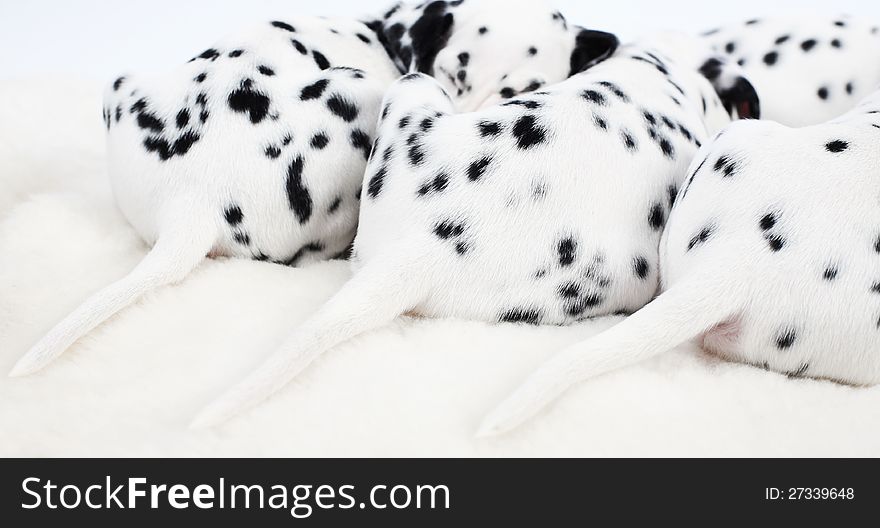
<point>373,297</point>
<point>683,312</point>
<point>172,258</point>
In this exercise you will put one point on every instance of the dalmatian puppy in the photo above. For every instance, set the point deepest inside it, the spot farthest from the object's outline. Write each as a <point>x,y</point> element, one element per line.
<point>805,70</point>
<point>770,257</point>
<point>255,148</point>
<point>546,209</point>
<point>485,51</point>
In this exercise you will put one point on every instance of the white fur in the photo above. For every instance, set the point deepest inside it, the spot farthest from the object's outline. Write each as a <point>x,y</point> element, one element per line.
<point>490,248</point>
<point>496,35</point>
<point>788,88</point>
<point>787,277</point>
<point>413,388</point>
<point>182,198</point>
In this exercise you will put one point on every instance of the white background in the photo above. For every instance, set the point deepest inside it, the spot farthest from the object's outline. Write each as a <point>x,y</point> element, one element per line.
<point>96,39</point>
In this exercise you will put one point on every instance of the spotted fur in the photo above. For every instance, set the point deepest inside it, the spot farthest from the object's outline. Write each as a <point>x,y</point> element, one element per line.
<point>227,155</point>
<point>769,258</point>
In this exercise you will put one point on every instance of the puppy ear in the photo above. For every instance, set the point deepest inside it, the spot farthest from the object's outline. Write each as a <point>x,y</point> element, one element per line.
<point>429,35</point>
<point>393,50</point>
<point>590,47</point>
<point>734,90</point>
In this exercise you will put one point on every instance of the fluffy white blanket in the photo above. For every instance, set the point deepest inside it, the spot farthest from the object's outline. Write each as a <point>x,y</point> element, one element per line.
<point>415,388</point>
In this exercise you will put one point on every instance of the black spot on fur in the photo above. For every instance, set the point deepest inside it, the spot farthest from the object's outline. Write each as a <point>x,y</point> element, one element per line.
<point>360,140</point>
<point>711,69</point>
<point>374,187</point>
<point>298,196</point>
<point>283,25</point>
<point>319,140</point>
<point>771,58</point>
<point>247,100</point>
<point>726,166</point>
<point>628,141</point>
<point>334,205</point>
<point>830,273</point>
<point>160,146</point>
<point>299,46</point>
<point>527,132</point>
<point>265,70</point>
<point>666,147</point>
<point>657,217</point>
<point>436,185</point>
<point>447,230</point>
<point>786,338</point>
<point>701,237</point>
<point>182,118</point>
<point>320,59</point>
<point>314,90</point>
<point>342,108</point>
<point>521,315</point>
<point>233,215</point>
<point>808,44</point>
<point>477,168</point>
<point>415,154</point>
<point>531,105</point>
<point>836,146</point>
<point>775,242</point>
<point>641,267</point>
<point>613,88</point>
<point>209,54</point>
<point>489,128</point>
<point>273,151</point>
<point>149,121</point>
<point>183,143</point>
<point>567,251</point>
<point>768,221</point>
<point>594,97</point>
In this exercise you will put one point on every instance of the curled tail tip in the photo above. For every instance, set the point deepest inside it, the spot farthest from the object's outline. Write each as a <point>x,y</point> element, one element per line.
<point>21,368</point>
<point>504,418</point>
<point>33,361</point>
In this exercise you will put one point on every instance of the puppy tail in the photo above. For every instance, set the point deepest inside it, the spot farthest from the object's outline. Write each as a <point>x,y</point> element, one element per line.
<point>172,258</point>
<point>373,297</point>
<point>683,312</point>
